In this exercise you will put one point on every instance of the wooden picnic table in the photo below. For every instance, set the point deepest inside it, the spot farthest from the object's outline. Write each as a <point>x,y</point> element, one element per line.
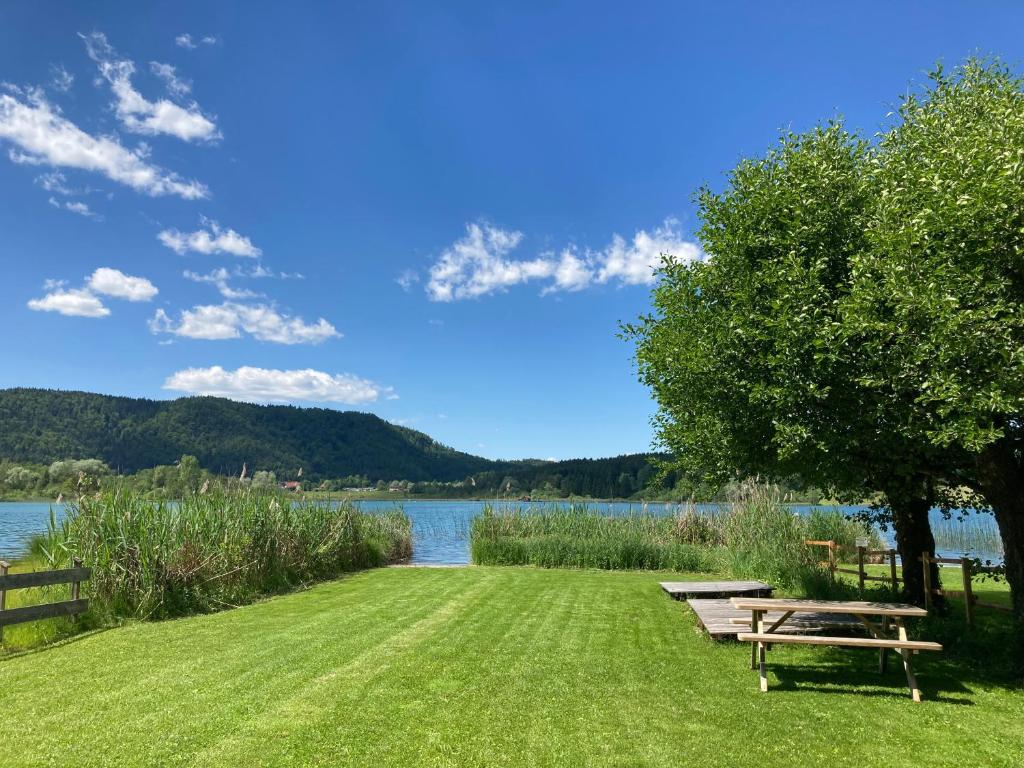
<point>892,615</point>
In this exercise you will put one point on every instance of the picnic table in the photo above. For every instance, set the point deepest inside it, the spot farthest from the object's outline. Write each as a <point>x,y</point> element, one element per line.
<point>877,618</point>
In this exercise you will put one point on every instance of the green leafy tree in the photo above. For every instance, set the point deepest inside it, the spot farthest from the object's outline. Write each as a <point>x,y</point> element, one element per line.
<point>745,351</point>
<point>938,300</point>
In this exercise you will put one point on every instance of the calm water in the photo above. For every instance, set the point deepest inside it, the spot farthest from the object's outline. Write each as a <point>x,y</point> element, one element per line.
<point>440,528</point>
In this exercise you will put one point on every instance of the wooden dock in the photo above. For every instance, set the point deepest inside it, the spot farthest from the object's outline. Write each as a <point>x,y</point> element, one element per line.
<point>684,590</point>
<point>716,617</point>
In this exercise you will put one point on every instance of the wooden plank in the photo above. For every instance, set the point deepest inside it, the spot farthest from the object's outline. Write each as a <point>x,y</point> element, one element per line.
<point>852,642</point>
<point>828,606</point>
<point>715,589</point>
<point>44,578</point>
<point>722,621</point>
<point>46,611</point>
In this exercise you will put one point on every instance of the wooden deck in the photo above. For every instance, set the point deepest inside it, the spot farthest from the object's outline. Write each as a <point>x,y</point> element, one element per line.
<point>715,615</point>
<point>683,590</point>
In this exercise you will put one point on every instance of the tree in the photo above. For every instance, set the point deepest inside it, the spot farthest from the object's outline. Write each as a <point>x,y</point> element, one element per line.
<point>189,473</point>
<point>938,295</point>
<point>746,353</point>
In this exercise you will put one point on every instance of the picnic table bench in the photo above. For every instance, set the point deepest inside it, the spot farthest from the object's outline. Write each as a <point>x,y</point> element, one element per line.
<point>892,615</point>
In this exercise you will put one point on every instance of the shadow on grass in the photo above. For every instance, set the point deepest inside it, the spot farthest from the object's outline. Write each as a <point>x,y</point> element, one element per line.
<point>865,682</point>
<point>70,639</point>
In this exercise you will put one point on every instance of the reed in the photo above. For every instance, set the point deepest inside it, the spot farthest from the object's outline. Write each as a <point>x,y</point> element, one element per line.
<point>755,536</point>
<point>160,558</point>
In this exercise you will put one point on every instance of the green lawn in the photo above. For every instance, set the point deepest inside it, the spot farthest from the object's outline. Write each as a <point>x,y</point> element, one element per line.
<point>482,667</point>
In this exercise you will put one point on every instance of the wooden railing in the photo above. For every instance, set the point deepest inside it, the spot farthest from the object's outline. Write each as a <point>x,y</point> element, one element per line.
<point>862,554</point>
<point>11,581</point>
<point>968,569</point>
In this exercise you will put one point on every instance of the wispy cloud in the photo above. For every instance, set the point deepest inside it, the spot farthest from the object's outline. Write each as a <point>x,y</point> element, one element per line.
<point>42,136</point>
<point>86,301</point>
<point>60,79</point>
<point>480,263</point>
<point>231,319</point>
<point>219,278</point>
<point>185,40</point>
<point>209,241</point>
<point>136,113</point>
<point>277,386</point>
<point>177,86</point>
<point>407,279</point>
<point>75,206</point>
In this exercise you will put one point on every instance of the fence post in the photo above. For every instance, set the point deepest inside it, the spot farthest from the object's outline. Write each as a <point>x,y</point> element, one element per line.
<point>925,562</point>
<point>860,568</point>
<point>76,585</point>
<point>832,557</point>
<point>4,566</point>
<point>965,570</point>
<point>892,570</point>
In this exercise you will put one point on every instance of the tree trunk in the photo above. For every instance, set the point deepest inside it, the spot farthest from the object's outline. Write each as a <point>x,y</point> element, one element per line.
<point>913,537</point>
<point>1001,477</point>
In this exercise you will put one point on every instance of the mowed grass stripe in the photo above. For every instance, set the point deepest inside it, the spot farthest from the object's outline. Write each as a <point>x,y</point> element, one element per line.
<point>482,666</point>
<point>217,668</point>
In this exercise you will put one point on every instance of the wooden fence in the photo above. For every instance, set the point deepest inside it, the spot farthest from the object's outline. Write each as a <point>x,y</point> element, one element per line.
<point>968,569</point>
<point>863,553</point>
<point>11,581</point>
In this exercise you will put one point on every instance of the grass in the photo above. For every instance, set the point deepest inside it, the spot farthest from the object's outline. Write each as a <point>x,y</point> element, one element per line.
<point>486,667</point>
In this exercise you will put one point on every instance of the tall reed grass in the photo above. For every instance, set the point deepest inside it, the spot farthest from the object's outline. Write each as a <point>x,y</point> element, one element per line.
<point>755,536</point>
<point>158,558</point>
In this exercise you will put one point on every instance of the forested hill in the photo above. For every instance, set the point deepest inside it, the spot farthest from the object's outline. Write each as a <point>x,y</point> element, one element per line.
<point>41,426</point>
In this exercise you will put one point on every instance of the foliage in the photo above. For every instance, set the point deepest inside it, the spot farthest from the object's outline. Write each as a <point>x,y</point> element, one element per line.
<point>131,434</point>
<point>157,558</point>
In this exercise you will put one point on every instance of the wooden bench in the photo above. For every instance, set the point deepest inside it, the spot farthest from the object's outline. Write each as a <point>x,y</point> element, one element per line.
<point>762,637</point>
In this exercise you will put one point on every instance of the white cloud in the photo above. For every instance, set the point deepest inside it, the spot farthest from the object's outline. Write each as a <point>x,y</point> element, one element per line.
<point>75,206</point>
<point>219,278</point>
<point>230,319</point>
<point>480,263</point>
<point>185,40</point>
<point>175,85</point>
<point>60,79</point>
<point>55,182</point>
<point>213,240</point>
<point>138,114</point>
<point>43,136</point>
<point>407,279</point>
<point>114,282</point>
<point>75,302</point>
<point>276,386</point>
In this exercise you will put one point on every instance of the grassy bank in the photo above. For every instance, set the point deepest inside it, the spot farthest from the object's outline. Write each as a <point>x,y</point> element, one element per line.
<point>160,559</point>
<point>484,666</point>
<point>757,537</point>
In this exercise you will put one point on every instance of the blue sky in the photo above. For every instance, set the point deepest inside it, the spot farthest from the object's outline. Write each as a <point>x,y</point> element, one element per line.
<point>439,215</point>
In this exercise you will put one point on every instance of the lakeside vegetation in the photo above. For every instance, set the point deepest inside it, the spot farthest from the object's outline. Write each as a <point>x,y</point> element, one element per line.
<point>754,537</point>
<point>209,551</point>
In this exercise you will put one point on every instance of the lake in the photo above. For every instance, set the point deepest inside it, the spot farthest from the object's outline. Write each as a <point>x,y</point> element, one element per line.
<point>441,528</point>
